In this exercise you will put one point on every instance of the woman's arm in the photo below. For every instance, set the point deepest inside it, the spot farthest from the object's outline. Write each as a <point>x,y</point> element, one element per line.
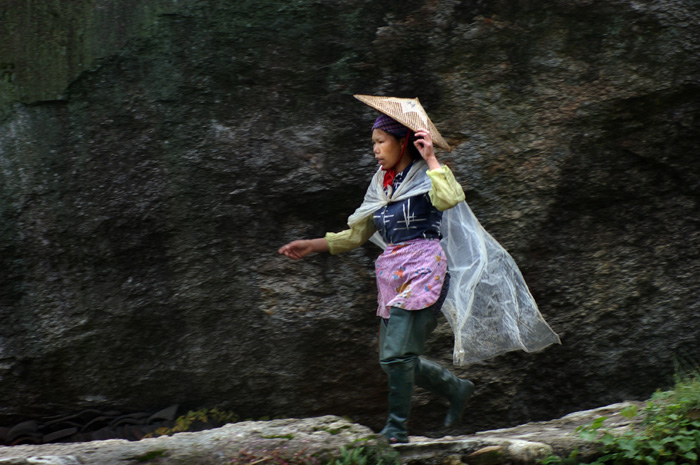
<point>445,191</point>
<point>303,247</point>
<point>352,238</point>
<point>334,243</point>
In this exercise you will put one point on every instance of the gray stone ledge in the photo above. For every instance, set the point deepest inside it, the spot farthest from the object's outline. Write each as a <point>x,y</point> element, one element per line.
<point>324,436</point>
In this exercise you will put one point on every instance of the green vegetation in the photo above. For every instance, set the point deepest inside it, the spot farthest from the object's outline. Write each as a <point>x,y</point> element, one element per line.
<point>193,419</point>
<point>333,431</point>
<point>152,455</point>
<point>288,436</point>
<point>377,455</point>
<point>366,456</point>
<point>276,457</point>
<point>666,432</point>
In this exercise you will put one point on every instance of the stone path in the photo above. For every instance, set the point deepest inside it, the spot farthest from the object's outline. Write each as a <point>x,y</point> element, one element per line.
<point>521,444</point>
<point>264,442</point>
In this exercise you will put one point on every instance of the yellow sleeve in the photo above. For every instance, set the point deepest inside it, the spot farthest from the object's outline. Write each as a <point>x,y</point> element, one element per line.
<point>352,238</point>
<point>445,192</point>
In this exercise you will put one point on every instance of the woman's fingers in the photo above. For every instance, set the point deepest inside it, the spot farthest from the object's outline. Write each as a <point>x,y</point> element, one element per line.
<point>424,143</point>
<point>287,250</point>
<point>423,133</point>
<point>292,250</point>
<point>423,139</point>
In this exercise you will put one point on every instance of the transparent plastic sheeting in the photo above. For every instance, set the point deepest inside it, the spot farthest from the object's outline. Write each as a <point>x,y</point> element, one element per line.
<point>488,306</point>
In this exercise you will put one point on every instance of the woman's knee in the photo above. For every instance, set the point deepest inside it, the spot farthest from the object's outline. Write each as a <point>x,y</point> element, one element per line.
<point>403,336</point>
<point>404,363</point>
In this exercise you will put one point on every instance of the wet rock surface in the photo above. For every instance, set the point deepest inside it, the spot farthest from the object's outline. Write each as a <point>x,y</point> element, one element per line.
<point>155,154</point>
<point>94,425</point>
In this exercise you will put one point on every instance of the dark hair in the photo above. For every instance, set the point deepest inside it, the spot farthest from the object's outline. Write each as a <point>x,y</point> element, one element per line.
<point>411,149</point>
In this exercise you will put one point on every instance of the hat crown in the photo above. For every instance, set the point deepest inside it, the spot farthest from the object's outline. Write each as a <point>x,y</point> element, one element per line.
<point>407,111</point>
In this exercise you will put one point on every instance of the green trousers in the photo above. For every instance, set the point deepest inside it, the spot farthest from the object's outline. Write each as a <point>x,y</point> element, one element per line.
<point>402,341</point>
<point>402,337</point>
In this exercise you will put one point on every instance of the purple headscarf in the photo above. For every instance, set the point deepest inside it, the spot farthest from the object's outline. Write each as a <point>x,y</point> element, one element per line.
<point>398,130</point>
<point>391,126</point>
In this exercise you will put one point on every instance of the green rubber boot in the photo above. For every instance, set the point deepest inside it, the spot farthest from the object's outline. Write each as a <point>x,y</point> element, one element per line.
<point>439,380</point>
<point>401,380</point>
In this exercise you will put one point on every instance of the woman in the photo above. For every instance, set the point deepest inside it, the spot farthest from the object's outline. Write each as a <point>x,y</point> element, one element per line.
<point>412,274</point>
<point>415,209</point>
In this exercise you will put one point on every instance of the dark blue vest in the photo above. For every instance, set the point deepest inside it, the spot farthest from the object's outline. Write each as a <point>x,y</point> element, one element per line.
<point>411,218</point>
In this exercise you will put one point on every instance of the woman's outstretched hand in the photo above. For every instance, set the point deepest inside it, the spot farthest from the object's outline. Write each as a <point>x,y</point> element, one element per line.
<point>424,144</point>
<point>296,249</point>
<point>303,247</point>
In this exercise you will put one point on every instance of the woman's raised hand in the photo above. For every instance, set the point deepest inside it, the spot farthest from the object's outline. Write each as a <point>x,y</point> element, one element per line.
<point>424,144</point>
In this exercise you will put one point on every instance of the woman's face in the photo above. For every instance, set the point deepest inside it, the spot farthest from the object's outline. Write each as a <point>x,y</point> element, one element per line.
<point>387,150</point>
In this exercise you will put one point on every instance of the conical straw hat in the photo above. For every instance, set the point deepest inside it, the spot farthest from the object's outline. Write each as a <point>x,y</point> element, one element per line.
<point>407,111</point>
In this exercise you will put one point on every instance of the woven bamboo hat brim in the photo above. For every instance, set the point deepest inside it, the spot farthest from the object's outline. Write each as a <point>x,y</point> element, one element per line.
<point>407,111</point>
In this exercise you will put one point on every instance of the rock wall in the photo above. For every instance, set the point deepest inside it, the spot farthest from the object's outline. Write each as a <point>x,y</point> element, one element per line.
<point>155,154</point>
